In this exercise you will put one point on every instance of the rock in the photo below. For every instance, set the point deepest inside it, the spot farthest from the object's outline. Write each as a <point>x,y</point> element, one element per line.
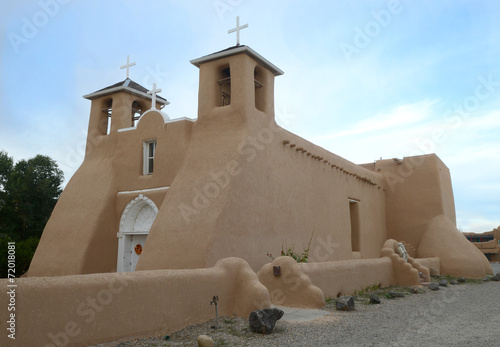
<point>496,277</point>
<point>402,251</point>
<point>396,295</point>
<point>263,321</point>
<point>461,280</point>
<point>485,279</point>
<point>443,283</point>
<point>374,299</point>
<point>433,286</point>
<point>414,290</point>
<point>454,282</point>
<point>345,303</point>
<point>205,341</point>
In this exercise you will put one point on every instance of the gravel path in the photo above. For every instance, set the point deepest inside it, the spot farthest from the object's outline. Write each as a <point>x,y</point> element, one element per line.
<point>461,315</point>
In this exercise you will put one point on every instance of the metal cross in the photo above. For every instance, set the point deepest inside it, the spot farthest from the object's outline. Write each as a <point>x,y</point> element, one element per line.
<point>128,65</point>
<point>237,30</point>
<point>153,95</point>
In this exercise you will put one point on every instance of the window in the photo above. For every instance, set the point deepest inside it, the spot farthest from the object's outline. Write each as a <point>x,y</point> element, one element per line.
<point>149,156</point>
<point>106,120</point>
<point>259,90</point>
<point>137,111</point>
<point>224,82</point>
<point>354,216</point>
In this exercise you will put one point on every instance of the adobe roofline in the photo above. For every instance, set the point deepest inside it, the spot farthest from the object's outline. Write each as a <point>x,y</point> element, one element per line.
<point>127,89</point>
<point>237,50</point>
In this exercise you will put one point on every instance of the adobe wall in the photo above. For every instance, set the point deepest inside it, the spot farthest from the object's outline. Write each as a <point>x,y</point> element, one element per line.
<point>307,284</point>
<point>81,235</point>
<point>289,188</point>
<point>86,309</point>
<point>421,212</point>
<point>458,257</point>
<point>345,277</point>
<point>418,189</point>
<point>246,189</point>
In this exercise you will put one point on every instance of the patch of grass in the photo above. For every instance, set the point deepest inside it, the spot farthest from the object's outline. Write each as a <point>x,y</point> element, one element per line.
<point>452,278</point>
<point>278,330</point>
<point>220,342</point>
<point>235,332</point>
<point>330,300</point>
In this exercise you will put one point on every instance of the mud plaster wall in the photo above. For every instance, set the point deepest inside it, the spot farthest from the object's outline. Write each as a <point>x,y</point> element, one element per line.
<point>85,310</point>
<point>80,236</point>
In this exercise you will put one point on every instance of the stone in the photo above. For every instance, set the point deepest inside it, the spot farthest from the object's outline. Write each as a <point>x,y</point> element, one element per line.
<point>461,280</point>
<point>402,251</point>
<point>485,279</point>
<point>396,295</point>
<point>205,341</point>
<point>433,286</point>
<point>374,299</point>
<point>345,303</point>
<point>263,321</point>
<point>454,282</point>
<point>443,283</point>
<point>496,278</point>
<point>414,290</point>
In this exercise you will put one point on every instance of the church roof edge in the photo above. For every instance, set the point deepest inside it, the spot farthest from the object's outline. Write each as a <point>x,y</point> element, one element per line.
<point>236,50</point>
<point>126,86</point>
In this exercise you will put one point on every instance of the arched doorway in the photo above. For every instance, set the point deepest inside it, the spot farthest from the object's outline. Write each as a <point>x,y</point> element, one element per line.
<point>135,223</point>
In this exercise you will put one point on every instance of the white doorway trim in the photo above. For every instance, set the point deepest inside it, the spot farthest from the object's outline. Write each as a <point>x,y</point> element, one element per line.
<point>136,219</point>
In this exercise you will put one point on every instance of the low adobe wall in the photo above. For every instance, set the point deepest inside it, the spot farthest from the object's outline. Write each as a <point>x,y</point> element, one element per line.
<point>307,284</point>
<point>82,310</point>
<point>344,277</point>
<point>433,264</point>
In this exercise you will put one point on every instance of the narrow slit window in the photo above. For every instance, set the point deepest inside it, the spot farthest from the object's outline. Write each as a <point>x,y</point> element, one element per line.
<point>224,82</point>
<point>259,89</point>
<point>149,156</point>
<point>106,121</point>
<point>355,228</point>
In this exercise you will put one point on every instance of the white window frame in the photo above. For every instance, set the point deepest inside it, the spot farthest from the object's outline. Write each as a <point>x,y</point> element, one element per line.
<point>147,169</point>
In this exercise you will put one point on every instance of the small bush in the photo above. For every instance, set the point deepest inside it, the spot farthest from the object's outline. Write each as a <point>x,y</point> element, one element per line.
<point>290,252</point>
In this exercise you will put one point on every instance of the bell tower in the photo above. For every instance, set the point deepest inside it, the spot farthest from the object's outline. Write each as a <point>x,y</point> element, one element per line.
<point>117,107</point>
<point>120,105</point>
<point>236,80</point>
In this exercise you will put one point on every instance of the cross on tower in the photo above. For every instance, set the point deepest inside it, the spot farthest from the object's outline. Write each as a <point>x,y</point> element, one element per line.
<point>153,95</point>
<point>237,30</point>
<point>128,65</point>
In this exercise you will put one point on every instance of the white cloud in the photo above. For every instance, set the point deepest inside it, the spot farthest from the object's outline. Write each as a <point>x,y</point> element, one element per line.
<point>401,116</point>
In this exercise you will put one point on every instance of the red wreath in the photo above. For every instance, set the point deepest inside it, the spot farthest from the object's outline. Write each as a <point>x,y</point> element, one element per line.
<point>138,249</point>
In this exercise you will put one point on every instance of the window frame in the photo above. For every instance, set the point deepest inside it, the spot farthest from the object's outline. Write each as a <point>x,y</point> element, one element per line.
<point>148,160</point>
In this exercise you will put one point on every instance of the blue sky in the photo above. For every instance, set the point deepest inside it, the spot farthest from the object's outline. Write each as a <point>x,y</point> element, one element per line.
<point>363,79</point>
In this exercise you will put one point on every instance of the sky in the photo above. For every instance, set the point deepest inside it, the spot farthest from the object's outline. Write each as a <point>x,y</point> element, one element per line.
<point>363,79</point>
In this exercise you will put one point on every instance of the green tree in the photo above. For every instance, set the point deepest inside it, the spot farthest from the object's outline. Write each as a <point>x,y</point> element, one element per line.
<point>28,193</point>
<point>24,253</point>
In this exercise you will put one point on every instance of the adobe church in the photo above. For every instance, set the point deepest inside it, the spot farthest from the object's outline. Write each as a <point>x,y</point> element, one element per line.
<point>155,193</point>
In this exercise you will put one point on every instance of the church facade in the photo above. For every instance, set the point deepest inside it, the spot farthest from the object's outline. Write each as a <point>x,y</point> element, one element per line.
<point>154,193</point>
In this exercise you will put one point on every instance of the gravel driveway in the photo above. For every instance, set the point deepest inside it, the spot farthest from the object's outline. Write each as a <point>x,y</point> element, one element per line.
<point>461,315</point>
